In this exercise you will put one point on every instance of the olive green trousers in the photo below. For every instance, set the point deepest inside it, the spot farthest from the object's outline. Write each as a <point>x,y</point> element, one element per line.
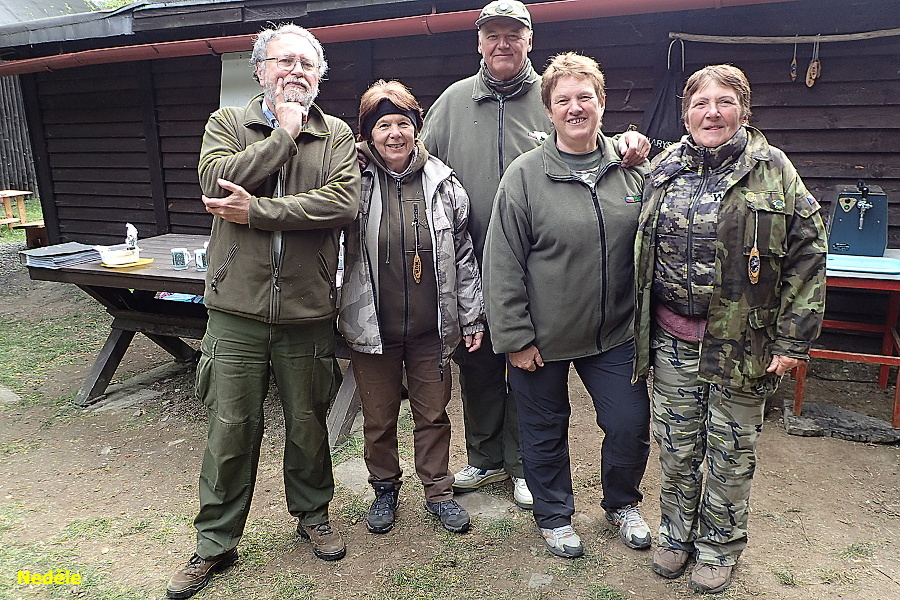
<point>237,357</point>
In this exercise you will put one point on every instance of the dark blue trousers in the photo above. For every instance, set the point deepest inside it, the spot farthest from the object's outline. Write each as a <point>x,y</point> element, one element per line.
<point>623,413</point>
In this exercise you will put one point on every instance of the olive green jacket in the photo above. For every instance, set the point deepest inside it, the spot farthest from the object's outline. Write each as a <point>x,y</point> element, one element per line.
<point>478,135</point>
<point>765,205</point>
<point>280,268</point>
<point>558,261</point>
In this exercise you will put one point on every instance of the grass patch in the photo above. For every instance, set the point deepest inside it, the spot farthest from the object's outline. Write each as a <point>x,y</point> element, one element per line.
<point>787,577</point>
<point>31,348</point>
<point>500,529</point>
<point>352,448</point>
<point>859,550</point>
<point>831,576</point>
<point>605,592</point>
<point>86,529</point>
<point>17,447</point>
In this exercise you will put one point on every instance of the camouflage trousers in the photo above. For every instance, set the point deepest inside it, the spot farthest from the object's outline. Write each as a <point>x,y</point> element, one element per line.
<point>693,421</point>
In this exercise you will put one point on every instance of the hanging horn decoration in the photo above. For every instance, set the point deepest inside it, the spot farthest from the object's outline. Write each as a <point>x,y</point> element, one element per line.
<point>815,67</point>
<point>794,64</point>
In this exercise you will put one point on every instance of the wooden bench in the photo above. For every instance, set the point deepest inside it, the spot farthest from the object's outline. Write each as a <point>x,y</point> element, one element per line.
<point>35,232</point>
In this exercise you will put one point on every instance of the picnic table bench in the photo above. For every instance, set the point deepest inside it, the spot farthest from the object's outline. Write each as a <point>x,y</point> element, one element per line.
<point>35,234</point>
<point>131,295</point>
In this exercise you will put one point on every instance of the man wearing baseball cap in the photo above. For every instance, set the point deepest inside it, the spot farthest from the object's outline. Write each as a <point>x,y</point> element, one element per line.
<point>478,126</point>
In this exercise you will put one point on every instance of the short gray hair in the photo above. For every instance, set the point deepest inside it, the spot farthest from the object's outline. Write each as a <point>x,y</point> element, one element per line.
<point>267,35</point>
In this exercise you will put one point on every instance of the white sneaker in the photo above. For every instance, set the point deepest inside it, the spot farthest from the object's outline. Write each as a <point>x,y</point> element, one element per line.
<point>471,478</point>
<point>563,541</point>
<point>521,493</point>
<point>632,528</point>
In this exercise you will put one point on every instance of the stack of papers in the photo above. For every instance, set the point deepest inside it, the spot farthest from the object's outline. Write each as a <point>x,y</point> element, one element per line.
<point>59,255</point>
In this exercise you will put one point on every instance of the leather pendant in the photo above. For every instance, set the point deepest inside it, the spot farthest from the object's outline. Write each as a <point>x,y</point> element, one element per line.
<point>417,268</point>
<point>812,72</point>
<point>753,265</point>
<point>794,69</point>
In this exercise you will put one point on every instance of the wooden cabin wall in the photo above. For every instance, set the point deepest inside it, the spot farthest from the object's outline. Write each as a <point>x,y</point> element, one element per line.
<point>187,92</point>
<point>846,127</point>
<point>119,142</point>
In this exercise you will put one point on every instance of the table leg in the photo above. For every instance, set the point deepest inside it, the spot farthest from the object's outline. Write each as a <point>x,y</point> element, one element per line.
<point>799,387</point>
<point>174,346</point>
<point>104,367</point>
<point>887,338</point>
<point>343,411</point>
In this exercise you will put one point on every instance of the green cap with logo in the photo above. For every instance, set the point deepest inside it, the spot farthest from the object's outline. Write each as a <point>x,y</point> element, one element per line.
<point>506,9</point>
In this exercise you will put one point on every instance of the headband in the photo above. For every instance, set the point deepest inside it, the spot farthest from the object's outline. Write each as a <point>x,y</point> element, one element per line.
<point>386,107</point>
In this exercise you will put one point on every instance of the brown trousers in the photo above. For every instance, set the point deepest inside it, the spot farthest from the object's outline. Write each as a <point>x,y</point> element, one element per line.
<point>379,378</point>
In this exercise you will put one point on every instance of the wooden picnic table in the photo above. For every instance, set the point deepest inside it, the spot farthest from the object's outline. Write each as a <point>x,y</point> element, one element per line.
<point>131,296</point>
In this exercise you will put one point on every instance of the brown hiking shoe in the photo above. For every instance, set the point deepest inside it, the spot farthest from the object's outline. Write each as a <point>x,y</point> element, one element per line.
<point>326,542</point>
<point>710,579</point>
<point>670,562</point>
<point>193,577</point>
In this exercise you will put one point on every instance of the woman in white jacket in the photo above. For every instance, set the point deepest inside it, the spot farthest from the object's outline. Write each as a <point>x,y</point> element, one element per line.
<point>411,293</point>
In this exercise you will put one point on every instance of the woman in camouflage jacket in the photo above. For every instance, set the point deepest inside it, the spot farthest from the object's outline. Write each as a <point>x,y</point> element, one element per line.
<point>730,268</point>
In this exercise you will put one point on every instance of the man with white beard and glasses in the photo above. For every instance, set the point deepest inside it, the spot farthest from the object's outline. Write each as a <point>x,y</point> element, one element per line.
<point>280,178</point>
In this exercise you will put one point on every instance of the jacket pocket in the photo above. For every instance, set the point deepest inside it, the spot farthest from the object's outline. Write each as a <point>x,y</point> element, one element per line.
<point>326,275</point>
<point>766,227</point>
<point>222,270</point>
<point>758,340</point>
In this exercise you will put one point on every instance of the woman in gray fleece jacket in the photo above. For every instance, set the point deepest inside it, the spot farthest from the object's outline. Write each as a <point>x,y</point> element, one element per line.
<point>411,293</point>
<point>559,287</point>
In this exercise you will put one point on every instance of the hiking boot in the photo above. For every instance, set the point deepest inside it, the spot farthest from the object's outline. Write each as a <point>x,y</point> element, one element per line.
<point>471,478</point>
<point>193,577</point>
<point>326,542</point>
<point>382,512</point>
<point>521,493</point>
<point>563,541</point>
<point>632,528</point>
<point>453,516</point>
<point>670,562</point>
<point>710,579</point>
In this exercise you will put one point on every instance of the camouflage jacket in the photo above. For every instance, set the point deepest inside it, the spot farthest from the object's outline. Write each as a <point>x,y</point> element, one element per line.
<point>764,205</point>
<point>460,304</point>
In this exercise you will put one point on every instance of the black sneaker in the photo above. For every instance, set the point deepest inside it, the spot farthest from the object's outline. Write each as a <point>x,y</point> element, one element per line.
<point>193,577</point>
<point>453,516</point>
<point>383,510</point>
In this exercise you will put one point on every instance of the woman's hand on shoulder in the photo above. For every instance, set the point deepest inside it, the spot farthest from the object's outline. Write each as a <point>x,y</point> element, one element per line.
<point>528,359</point>
<point>634,148</point>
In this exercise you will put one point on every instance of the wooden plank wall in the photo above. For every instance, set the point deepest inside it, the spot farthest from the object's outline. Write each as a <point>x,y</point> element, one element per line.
<point>122,139</point>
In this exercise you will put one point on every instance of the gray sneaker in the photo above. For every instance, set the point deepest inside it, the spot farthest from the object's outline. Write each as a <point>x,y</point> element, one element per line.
<point>471,478</point>
<point>562,541</point>
<point>632,528</point>
<point>453,516</point>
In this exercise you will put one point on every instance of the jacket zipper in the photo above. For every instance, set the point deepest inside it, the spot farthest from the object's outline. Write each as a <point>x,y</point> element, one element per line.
<point>500,135</point>
<point>404,261</point>
<point>701,189</point>
<point>277,255</point>
<point>604,275</point>
<point>221,270</point>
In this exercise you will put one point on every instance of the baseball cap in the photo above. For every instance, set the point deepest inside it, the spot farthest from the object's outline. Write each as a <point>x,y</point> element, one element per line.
<point>508,9</point>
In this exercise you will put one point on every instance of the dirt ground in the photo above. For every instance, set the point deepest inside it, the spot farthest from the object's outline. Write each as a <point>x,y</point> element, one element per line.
<point>110,495</point>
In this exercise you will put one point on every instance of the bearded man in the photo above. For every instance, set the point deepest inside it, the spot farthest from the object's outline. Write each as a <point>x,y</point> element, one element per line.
<point>280,178</point>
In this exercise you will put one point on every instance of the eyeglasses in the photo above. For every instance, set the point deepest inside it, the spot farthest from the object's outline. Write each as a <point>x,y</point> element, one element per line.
<point>289,62</point>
